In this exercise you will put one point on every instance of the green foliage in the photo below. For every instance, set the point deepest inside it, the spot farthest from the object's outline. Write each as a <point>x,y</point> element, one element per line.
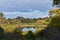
<point>56,2</point>
<point>52,31</point>
<point>55,21</point>
<point>1,33</point>
<point>17,34</point>
<point>13,27</point>
<point>30,35</point>
<point>1,14</point>
<point>9,28</point>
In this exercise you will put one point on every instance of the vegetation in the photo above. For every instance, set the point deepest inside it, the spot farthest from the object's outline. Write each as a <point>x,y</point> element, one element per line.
<point>46,28</point>
<point>11,29</point>
<point>52,32</point>
<point>56,2</point>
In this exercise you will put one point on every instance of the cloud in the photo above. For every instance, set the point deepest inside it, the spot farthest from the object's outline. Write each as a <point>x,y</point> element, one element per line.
<point>25,8</point>
<point>24,5</point>
<point>33,14</point>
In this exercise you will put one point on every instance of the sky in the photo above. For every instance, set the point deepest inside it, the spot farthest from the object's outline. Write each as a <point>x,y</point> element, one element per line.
<point>25,8</point>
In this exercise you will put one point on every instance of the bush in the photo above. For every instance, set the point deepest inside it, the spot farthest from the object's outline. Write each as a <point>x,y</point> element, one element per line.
<point>55,21</point>
<point>52,31</point>
<point>1,33</point>
<point>30,36</point>
<point>17,33</point>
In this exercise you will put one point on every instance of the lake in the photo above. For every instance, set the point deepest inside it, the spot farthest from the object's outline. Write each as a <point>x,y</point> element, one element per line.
<point>26,29</point>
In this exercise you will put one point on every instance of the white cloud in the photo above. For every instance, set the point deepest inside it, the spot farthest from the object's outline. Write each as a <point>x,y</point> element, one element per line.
<point>34,14</point>
<point>25,8</point>
<point>24,5</point>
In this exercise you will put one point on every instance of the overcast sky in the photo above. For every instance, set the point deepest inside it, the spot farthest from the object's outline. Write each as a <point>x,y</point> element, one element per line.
<point>25,8</point>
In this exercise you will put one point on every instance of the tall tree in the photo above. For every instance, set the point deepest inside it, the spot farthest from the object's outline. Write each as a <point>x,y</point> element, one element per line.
<point>1,15</point>
<point>1,18</point>
<point>56,2</point>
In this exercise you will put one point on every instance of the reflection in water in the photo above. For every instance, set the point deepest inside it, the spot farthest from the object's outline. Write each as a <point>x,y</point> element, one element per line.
<point>26,29</point>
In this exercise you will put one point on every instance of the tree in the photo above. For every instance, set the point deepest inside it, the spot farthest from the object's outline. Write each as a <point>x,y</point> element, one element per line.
<point>19,18</point>
<point>52,31</point>
<point>1,15</point>
<point>1,33</point>
<point>17,33</point>
<point>1,18</point>
<point>54,12</point>
<point>38,34</point>
<point>55,21</point>
<point>56,2</point>
<point>30,35</point>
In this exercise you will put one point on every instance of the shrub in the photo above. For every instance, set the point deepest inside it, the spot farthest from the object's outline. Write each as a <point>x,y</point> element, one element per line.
<point>17,33</point>
<point>52,31</point>
<point>1,33</point>
<point>55,21</point>
<point>30,36</point>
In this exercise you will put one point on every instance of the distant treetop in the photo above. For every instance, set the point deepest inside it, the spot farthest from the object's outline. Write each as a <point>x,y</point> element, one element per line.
<point>56,2</point>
